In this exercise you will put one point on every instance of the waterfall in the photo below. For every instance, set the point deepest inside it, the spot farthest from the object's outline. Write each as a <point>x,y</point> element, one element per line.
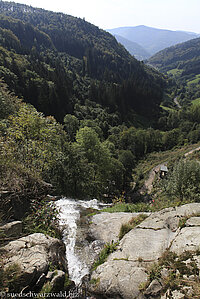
<point>69,215</point>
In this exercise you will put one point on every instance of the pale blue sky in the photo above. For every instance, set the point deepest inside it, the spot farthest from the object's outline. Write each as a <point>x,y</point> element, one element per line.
<point>107,14</point>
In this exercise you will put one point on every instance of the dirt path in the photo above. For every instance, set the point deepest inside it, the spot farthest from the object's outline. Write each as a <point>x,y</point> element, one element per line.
<point>148,184</point>
<point>192,151</point>
<point>176,102</point>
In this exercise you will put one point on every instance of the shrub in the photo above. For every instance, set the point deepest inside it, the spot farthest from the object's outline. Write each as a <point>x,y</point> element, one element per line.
<point>183,181</point>
<point>108,249</point>
<point>125,228</point>
<point>43,219</point>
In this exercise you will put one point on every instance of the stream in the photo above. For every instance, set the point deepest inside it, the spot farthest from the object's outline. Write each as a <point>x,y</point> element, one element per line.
<point>70,211</point>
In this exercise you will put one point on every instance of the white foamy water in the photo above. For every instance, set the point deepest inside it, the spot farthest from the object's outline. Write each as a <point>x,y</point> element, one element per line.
<point>69,215</point>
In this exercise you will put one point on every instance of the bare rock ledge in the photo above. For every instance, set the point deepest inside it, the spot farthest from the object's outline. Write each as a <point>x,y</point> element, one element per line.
<point>125,270</point>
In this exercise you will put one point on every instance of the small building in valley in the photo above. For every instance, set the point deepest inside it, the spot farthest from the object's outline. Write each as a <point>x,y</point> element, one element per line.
<point>163,171</point>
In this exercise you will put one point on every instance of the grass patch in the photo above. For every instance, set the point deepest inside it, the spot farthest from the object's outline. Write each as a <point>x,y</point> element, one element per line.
<point>106,251</point>
<point>175,72</point>
<point>94,281</point>
<point>125,228</point>
<point>183,220</point>
<point>196,102</point>
<point>46,289</point>
<point>129,208</point>
<point>195,80</point>
<point>159,203</point>
<point>10,277</point>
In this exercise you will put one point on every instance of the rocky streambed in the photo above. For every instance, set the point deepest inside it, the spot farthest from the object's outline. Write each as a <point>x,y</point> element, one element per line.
<point>162,249</point>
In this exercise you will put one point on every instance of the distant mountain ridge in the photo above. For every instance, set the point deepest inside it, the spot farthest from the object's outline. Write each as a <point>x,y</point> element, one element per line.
<point>151,39</point>
<point>134,49</point>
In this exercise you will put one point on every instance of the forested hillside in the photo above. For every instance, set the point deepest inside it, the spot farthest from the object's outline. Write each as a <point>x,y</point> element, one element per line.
<point>99,108</point>
<point>182,63</point>
<point>56,61</point>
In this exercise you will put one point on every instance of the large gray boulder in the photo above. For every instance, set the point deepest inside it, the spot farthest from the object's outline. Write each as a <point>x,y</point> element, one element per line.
<point>106,226</point>
<point>125,270</point>
<point>118,279</point>
<point>33,254</point>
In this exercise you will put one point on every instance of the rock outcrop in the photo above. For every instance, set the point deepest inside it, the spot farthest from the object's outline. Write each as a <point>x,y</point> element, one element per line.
<point>32,255</point>
<point>106,226</point>
<point>125,272</point>
<point>11,229</point>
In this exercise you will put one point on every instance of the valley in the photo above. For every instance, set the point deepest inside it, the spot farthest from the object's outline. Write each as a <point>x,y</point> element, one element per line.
<point>84,129</point>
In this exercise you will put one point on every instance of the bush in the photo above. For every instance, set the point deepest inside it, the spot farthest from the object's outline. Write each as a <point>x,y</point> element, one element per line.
<point>183,181</point>
<point>43,219</point>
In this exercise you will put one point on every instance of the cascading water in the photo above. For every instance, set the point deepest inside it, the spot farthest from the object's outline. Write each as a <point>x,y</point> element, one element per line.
<point>69,216</point>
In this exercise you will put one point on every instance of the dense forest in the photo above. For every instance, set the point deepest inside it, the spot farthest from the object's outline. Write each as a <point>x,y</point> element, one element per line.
<point>88,111</point>
<point>56,57</point>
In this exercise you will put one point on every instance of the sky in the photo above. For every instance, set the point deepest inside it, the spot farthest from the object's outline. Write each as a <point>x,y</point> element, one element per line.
<point>108,14</point>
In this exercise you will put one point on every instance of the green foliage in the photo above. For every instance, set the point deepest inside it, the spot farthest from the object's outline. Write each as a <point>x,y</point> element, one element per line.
<point>8,103</point>
<point>125,228</point>
<point>94,281</point>
<point>42,219</point>
<point>69,68</point>
<point>128,208</point>
<point>119,200</point>
<point>105,170</point>
<point>46,289</point>
<point>155,272</point>
<point>181,62</point>
<point>55,59</point>
<point>183,181</point>
<point>67,282</point>
<point>10,277</point>
<point>71,125</point>
<point>183,221</point>
<point>108,249</point>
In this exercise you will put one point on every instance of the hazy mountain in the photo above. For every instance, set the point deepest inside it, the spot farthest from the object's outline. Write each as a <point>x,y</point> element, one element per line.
<point>134,49</point>
<point>152,39</point>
